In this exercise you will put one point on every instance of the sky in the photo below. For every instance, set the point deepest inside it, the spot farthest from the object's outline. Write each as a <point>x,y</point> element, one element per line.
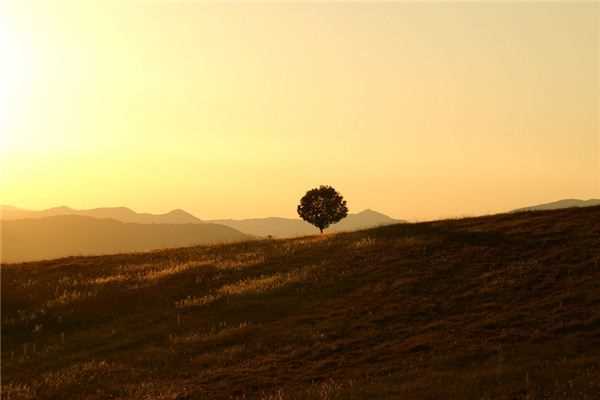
<point>419,110</point>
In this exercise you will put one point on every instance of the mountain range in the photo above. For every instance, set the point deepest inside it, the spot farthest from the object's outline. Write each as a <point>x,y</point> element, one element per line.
<point>69,235</point>
<point>272,226</point>
<point>62,231</point>
<point>290,227</point>
<point>122,214</point>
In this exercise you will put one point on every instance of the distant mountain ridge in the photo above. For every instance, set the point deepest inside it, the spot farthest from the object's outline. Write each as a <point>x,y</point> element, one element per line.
<point>69,235</point>
<point>122,214</point>
<point>271,226</point>
<point>292,227</point>
<point>565,203</point>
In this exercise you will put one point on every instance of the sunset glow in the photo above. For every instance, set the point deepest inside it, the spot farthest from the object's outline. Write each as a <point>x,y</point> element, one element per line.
<point>419,110</point>
<point>299,199</point>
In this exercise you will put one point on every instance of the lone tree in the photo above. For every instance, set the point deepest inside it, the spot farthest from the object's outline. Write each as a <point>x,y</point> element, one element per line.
<point>322,207</point>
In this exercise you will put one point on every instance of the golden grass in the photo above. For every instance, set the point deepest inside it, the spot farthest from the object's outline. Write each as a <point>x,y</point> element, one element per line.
<point>328,390</point>
<point>492,308</point>
<point>212,334</point>
<point>363,242</point>
<point>78,373</point>
<point>68,297</point>
<point>239,261</point>
<point>17,391</point>
<point>258,285</point>
<point>104,280</point>
<point>265,283</point>
<point>169,269</point>
<point>57,381</point>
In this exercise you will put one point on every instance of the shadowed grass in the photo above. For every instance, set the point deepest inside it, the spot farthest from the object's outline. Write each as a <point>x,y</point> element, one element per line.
<point>499,307</point>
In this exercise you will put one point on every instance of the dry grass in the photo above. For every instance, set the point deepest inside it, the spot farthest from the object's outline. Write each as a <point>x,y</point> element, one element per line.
<point>500,307</point>
<point>61,381</point>
<point>65,297</point>
<point>105,280</point>
<point>328,390</point>
<point>214,333</point>
<point>258,285</point>
<point>167,270</point>
<point>17,391</point>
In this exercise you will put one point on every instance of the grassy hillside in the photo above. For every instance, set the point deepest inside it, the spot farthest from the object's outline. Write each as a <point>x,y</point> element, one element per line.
<point>499,307</point>
<point>566,203</point>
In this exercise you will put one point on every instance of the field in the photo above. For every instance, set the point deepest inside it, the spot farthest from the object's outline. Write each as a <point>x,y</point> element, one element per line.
<point>497,307</point>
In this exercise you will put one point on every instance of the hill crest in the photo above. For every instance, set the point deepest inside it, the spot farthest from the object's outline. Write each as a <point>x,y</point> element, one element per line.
<point>560,204</point>
<point>497,307</point>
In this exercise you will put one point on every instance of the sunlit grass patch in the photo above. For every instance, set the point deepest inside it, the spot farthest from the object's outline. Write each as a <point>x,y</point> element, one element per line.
<point>363,242</point>
<point>289,247</point>
<point>242,260</point>
<point>212,334</point>
<point>313,239</point>
<point>192,301</point>
<point>29,283</point>
<point>69,296</point>
<point>104,280</point>
<point>17,391</point>
<point>153,390</point>
<point>81,374</point>
<point>233,351</point>
<point>70,281</point>
<point>149,272</point>
<point>23,316</point>
<point>328,390</point>
<point>133,268</point>
<point>169,269</point>
<point>258,285</point>
<point>410,242</point>
<point>265,283</point>
<point>221,357</point>
<point>76,374</point>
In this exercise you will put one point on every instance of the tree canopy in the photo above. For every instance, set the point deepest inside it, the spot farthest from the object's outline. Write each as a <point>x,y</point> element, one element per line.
<point>322,207</point>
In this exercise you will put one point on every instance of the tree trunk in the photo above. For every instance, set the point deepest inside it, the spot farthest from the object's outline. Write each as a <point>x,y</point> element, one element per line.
<point>321,229</point>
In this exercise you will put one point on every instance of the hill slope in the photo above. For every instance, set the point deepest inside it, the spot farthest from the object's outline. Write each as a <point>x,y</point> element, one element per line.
<point>500,307</point>
<point>566,203</point>
<point>68,235</point>
<point>122,214</point>
<point>294,227</point>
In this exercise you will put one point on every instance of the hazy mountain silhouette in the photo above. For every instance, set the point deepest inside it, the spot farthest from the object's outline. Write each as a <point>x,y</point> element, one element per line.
<point>68,235</point>
<point>291,227</point>
<point>566,203</point>
<point>122,214</point>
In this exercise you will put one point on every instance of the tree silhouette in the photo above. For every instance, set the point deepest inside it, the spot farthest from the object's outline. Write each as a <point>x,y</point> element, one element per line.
<point>322,207</point>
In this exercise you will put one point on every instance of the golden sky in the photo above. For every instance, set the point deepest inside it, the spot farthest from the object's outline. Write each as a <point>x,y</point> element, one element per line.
<point>418,110</point>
